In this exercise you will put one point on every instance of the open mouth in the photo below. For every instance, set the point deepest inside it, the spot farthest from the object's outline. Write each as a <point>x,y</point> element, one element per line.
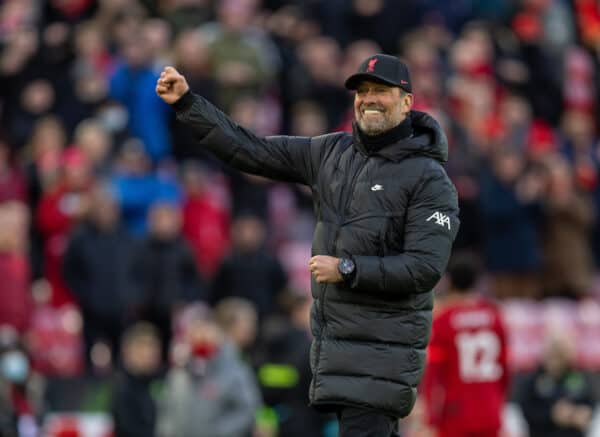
<point>372,111</point>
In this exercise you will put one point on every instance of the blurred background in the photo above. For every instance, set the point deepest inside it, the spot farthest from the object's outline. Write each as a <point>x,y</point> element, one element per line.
<point>146,289</point>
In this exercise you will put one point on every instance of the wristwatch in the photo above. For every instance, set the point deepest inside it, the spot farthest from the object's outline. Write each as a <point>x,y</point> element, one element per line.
<point>347,269</point>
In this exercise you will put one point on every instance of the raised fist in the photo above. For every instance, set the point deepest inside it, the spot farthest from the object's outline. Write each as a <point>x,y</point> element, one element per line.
<point>171,85</point>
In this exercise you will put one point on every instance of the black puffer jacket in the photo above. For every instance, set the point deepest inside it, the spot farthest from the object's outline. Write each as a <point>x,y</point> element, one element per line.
<point>395,212</point>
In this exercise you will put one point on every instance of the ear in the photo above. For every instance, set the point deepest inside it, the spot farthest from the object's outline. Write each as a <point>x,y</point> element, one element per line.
<point>407,101</point>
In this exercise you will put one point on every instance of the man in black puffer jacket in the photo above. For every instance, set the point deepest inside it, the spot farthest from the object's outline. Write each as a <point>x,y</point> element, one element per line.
<point>387,215</point>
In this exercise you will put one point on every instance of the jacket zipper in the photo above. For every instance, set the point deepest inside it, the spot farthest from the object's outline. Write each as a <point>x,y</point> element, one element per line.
<point>340,222</point>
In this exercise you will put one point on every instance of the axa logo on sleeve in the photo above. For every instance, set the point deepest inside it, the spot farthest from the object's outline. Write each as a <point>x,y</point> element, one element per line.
<point>440,219</point>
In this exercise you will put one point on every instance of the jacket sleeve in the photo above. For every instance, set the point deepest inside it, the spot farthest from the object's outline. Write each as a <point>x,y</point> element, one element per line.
<point>431,225</point>
<point>285,158</point>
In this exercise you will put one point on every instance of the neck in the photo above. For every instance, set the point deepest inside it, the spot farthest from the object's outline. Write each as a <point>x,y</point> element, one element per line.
<point>373,143</point>
<point>463,296</point>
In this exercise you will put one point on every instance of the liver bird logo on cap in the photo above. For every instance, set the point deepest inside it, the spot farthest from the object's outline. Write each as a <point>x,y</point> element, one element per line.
<point>371,66</point>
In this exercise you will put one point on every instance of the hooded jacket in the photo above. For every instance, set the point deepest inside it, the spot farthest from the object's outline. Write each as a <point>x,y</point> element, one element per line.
<point>394,212</point>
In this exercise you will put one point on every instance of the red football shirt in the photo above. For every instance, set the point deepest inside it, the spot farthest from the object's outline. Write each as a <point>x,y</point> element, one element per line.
<point>466,376</point>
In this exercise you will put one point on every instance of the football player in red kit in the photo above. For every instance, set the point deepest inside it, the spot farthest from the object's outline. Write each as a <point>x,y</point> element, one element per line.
<point>466,377</point>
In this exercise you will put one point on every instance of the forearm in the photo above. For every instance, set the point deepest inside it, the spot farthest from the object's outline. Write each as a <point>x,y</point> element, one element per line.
<point>282,158</point>
<point>400,274</point>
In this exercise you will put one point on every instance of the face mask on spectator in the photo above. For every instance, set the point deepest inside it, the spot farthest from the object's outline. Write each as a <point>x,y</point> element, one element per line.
<point>205,350</point>
<point>14,366</point>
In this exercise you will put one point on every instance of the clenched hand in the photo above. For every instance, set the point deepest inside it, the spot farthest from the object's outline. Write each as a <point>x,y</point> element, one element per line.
<point>325,268</point>
<point>171,85</point>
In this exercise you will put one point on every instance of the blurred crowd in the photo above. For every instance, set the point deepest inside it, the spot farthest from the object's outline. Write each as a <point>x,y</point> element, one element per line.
<point>141,277</point>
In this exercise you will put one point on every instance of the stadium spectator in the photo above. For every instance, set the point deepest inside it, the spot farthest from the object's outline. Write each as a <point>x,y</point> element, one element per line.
<point>557,398</point>
<point>136,389</point>
<point>238,320</point>
<point>42,169</point>
<point>316,77</point>
<point>243,58</point>
<point>96,143</point>
<point>166,270</point>
<point>250,271</point>
<point>569,215</point>
<point>206,220</point>
<point>137,186</point>
<point>45,144</point>
<point>283,368</point>
<point>61,208</point>
<point>147,115</point>
<point>511,210</point>
<point>15,286</point>
<point>99,268</point>
<point>210,392</point>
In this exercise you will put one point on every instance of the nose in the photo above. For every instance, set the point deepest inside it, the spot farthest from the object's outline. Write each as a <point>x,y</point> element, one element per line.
<point>369,96</point>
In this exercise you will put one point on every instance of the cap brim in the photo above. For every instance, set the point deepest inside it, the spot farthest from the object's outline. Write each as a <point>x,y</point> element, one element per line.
<point>353,81</point>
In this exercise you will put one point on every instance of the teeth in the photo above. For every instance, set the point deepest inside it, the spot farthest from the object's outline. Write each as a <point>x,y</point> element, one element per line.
<point>372,111</point>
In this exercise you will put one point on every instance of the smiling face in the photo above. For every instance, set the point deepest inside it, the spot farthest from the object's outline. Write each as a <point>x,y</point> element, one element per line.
<point>379,107</point>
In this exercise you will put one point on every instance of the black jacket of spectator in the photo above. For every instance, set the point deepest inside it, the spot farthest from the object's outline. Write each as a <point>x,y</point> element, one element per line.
<point>538,394</point>
<point>395,212</point>
<point>170,275</point>
<point>284,376</point>
<point>169,278</point>
<point>99,268</point>
<point>133,407</point>
<point>256,276</point>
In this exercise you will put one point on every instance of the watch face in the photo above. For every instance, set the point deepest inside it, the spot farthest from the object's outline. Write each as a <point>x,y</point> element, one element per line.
<point>346,266</point>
